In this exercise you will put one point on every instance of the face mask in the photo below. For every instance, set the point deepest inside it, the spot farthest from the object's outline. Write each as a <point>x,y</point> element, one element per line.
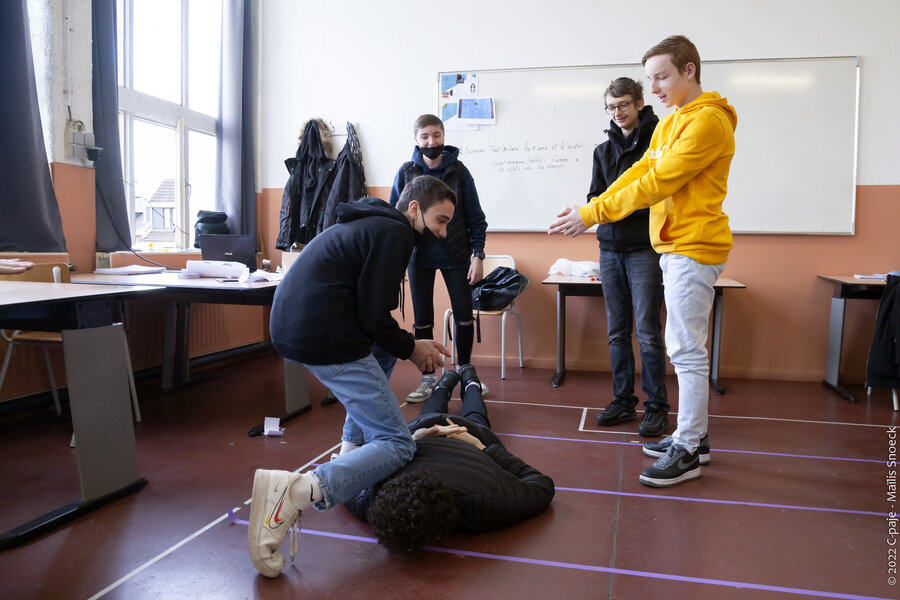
<point>433,152</point>
<point>426,239</point>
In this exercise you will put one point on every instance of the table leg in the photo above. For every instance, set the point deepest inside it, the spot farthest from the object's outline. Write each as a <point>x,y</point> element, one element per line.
<point>100,399</point>
<point>716,343</point>
<point>560,339</point>
<point>176,345</point>
<point>296,390</point>
<point>835,340</point>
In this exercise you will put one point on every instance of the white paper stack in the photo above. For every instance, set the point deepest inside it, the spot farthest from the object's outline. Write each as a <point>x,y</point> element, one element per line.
<point>215,268</point>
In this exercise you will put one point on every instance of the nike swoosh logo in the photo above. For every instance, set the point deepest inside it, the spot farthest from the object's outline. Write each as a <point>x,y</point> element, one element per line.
<point>274,517</point>
<point>685,464</point>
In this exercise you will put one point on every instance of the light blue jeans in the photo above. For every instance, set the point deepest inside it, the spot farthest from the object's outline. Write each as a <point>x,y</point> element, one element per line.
<point>689,291</point>
<point>374,422</point>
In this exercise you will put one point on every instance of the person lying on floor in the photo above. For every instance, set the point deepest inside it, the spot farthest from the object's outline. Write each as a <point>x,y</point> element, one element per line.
<point>461,477</point>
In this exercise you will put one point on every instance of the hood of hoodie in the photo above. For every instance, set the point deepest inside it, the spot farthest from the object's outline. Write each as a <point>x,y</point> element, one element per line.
<point>710,100</point>
<point>369,207</point>
<point>449,156</point>
<point>646,123</point>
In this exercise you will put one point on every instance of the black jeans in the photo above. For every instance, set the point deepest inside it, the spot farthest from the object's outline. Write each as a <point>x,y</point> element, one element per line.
<point>421,287</point>
<point>473,406</point>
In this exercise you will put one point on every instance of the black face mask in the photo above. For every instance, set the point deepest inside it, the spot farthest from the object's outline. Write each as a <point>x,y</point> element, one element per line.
<point>426,239</point>
<point>431,153</point>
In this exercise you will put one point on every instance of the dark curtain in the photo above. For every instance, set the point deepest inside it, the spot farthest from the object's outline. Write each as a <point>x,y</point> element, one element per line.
<point>236,168</point>
<point>113,230</point>
<point>29,213</point>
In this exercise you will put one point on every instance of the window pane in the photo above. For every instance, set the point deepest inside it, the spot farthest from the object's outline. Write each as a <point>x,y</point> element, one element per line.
<point>201,175</point>
<point>155,173</point>
<point>204,44</point>
<point>157,48</point>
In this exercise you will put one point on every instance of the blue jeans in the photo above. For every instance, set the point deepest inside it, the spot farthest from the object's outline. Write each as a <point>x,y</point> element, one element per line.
<point>632,286</point>
<point>374,422</point>
<point>690,291</point>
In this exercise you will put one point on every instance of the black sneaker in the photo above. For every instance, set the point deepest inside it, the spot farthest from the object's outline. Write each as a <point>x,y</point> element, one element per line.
<point>657,449</point>
<point>676,466</point>
<point>654,423</point>
<point>448,381</point>
<point>468,375</point>
<point>617,412</point>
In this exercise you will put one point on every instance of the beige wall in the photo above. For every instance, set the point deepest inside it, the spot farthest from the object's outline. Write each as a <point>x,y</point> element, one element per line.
<point>775,329</point>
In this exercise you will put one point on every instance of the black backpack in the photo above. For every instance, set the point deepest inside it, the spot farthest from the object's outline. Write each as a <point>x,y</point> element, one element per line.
<point>498,289</point>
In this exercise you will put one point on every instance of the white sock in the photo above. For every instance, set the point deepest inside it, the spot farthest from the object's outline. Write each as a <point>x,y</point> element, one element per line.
<point>305,492</point>
<point>347,447</point>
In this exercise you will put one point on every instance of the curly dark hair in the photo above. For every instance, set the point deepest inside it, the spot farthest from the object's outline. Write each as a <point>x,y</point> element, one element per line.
<point>410,510</point>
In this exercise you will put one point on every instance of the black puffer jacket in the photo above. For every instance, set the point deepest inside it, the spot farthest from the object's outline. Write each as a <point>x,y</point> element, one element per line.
<point>493,488</point>
<point>611,159</point>
<point>467,230</point>
<point>883,368</point>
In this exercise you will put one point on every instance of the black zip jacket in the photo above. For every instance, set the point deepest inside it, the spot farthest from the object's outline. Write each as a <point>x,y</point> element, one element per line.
<point>611,159</point>
<point>466,232</point>
<point>337,297</point>
<point>493,488</point>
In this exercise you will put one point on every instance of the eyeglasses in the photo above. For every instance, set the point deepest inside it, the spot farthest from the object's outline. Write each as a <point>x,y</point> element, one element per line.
<point>621,107</point>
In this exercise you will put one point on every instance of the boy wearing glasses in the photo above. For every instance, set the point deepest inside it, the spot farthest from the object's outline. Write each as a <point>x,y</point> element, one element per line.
<point>629,268</point>
<point>683,178</point>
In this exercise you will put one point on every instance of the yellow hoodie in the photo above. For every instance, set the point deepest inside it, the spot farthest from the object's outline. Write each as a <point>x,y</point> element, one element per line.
<point>683,178</point>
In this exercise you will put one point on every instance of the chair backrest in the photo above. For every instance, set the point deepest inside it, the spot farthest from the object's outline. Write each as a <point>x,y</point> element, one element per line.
<point>492,261</point>
<point>42,272</point>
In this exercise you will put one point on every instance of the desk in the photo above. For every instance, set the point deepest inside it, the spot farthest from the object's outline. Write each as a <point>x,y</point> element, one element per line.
<point>178,295</point>
<point>100,401</point>
<point>846,287</point>
<point>569,285</point>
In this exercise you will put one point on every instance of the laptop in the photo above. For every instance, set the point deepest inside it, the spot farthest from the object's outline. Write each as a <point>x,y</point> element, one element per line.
<point>229,248</point>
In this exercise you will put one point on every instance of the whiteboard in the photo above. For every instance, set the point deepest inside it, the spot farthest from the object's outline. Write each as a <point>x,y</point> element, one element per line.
<point>794,169</point>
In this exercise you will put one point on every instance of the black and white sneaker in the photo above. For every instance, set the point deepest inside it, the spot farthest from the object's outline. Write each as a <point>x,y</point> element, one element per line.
<point>657,449</point>
<point>617,412</point>
<point>676,466</point>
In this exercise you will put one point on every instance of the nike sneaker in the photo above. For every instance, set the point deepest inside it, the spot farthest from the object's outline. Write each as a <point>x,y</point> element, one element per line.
<point>676,466</point>
<point>657,449</point>
<point>272,516</point>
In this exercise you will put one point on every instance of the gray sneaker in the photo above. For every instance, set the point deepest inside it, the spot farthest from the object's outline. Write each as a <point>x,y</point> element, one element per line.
<point>423,392</point>
<point>657,449</point>
<point>676,466</point>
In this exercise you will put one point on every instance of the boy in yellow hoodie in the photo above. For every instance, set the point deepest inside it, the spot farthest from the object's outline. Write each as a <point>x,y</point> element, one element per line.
<point>683,179</point>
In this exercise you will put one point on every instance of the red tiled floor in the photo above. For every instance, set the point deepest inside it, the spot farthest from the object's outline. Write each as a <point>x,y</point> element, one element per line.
<point>779,450</point>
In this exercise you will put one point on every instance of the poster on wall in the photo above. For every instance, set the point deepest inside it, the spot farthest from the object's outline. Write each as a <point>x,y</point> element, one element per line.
<point>455,87</point>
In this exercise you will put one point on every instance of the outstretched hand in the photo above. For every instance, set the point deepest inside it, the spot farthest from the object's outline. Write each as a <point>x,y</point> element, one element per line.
<point>428,355</point>
<point>568,222</point>
<point>9,266</point>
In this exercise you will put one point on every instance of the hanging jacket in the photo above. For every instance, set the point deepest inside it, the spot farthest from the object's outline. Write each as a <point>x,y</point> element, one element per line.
<point>466,232</point>
<point>349,181</point>
<point>311,174</point>
<point>883,368</point>
<point>683,178</point>
<point>611,159</point>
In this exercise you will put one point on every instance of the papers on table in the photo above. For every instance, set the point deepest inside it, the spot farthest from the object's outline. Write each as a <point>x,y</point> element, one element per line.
<point>882,276</point>
<point>129,270</point>
<point>216,268</point>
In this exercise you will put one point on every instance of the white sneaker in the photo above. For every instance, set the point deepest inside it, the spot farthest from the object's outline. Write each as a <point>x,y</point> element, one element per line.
<point>272,515</point>
<point>484,388</point>
<point>423,392</point>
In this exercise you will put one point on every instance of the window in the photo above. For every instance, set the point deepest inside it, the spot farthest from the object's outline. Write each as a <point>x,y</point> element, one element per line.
<point>169,56</point>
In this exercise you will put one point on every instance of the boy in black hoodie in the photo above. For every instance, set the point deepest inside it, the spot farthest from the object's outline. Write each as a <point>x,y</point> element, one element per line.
<point>332,313</point>
<point>629,268</point>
